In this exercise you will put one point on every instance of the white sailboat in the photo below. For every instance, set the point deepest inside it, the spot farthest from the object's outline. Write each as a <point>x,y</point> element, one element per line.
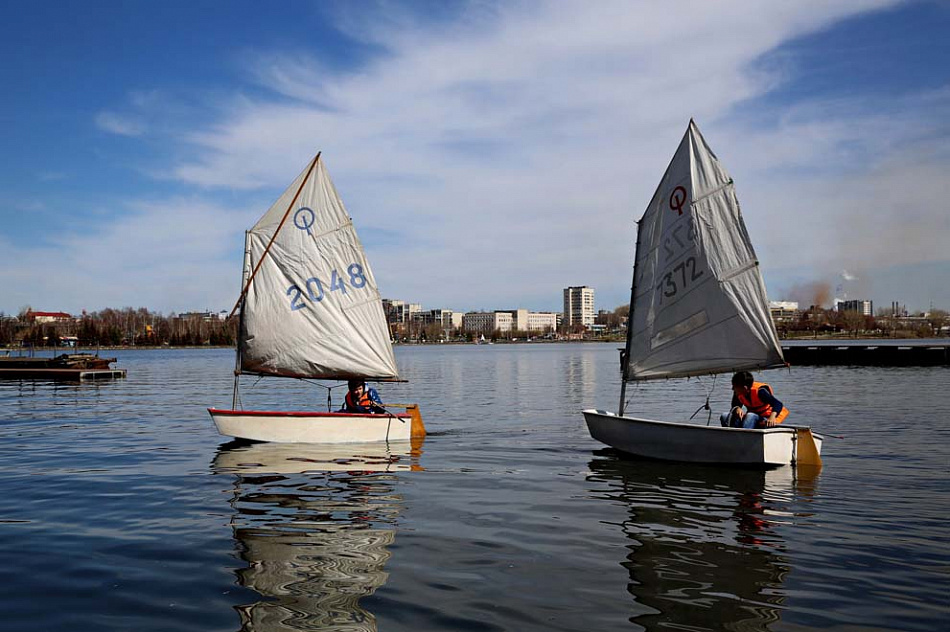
<point>310,308</point>
<point>697,307</point>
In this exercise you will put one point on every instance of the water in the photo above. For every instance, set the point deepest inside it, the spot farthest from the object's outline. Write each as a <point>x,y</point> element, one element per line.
<point>122,509</point>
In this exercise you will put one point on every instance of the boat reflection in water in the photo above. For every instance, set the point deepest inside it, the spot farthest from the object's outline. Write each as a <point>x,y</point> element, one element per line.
<point>313,524</point>
<point>705,548</point>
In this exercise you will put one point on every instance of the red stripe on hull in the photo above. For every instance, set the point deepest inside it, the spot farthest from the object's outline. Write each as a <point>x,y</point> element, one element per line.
<point>284,413</point>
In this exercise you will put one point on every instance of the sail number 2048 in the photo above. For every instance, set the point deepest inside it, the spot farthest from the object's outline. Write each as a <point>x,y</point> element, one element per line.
<point>314,290</point>
<point>683,275</point>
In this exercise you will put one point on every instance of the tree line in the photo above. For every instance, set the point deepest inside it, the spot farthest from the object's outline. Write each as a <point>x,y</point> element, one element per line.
<point>817,321</point>
<point>117,327</point>
<point>140,327</point>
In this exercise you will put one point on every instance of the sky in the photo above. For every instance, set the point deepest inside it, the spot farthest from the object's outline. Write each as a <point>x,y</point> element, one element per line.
<point>490,153</point>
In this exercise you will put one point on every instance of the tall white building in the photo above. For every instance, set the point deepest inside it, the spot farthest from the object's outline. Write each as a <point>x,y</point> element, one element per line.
<point>579,306</point>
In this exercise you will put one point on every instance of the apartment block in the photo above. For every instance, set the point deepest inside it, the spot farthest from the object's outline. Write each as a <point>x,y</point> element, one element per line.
<point>579,306</point>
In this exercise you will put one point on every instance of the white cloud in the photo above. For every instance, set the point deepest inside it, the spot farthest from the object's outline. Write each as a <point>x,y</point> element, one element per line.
<point>849,185</point>
<point>515,148</point>
<point>512,149</point>
<point>119,124</point>
<point>174,255</point>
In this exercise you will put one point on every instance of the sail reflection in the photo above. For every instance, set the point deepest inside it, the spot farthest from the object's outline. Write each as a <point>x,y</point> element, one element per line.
<point>314,524</point>
<point>706,551</point>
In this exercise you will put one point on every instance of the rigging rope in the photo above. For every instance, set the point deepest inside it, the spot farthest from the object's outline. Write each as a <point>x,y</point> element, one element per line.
<point>303,379</point>
<point>705,406</point>
<point>390,414</point>
<point>636,386</point>
<point>329,391</point>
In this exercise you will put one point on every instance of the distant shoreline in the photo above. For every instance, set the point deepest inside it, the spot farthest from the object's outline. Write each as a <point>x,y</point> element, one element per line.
<point>10,351</point>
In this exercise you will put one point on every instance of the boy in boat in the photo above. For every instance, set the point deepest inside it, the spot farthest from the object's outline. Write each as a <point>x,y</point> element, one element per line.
<point>360,399</point>
<point>763,409</point>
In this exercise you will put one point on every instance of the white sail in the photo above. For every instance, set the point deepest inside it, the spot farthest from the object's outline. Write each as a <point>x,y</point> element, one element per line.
<point>698,303</point>
<point>312,308</point>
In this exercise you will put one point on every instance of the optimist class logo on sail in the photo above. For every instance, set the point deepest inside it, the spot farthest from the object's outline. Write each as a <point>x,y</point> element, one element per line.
<point>304,219</point>
<point>313,288</point>
<point>680,274</point>
<point>678,200</point>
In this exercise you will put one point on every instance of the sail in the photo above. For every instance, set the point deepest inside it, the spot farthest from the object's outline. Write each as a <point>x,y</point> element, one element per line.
<point>312,308</point>
<point>698,302</point>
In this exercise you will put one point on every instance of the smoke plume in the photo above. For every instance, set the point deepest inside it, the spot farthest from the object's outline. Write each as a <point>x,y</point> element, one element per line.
<point>816,293</point>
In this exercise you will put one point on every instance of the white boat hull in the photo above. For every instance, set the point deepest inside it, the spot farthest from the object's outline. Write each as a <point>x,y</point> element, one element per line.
<point>670,441</point>
<point>315,427</point>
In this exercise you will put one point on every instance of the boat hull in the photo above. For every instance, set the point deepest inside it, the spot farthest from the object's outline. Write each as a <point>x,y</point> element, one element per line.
<point>315,427</point>
<point>669,441</point>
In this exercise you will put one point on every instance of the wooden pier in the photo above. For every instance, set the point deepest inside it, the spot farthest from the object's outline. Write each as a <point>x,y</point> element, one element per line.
<point>61,374</point>
<point>867,352</point>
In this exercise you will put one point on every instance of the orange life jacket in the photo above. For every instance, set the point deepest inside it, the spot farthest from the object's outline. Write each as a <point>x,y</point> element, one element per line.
<point>365,402</point>
<point>757,406</point>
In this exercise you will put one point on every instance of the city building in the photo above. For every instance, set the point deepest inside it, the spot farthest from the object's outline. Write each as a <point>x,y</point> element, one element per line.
<point>579,306</point>
<point>526,321</point>
<point>400,311</point>
<point>487,322</point>
<point>445,318</point>
<point>506,320</point>
<point>40,318</point>
<point>864,308</point>
<point>784,311</point>
<point>204,316</point>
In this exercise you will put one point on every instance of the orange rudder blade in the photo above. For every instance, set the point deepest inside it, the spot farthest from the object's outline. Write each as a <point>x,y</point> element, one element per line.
<point>418,429</point>
<point>806,450</point>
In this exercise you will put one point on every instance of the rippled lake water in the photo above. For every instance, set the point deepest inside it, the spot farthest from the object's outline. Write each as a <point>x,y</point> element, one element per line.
<point>122,509</point>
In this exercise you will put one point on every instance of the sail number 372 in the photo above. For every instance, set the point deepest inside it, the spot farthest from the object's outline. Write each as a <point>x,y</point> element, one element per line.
<point>683,275</point>
<point>314,291</point>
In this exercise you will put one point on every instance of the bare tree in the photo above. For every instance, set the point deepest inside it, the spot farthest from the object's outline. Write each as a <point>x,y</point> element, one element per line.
<point>938,319</point>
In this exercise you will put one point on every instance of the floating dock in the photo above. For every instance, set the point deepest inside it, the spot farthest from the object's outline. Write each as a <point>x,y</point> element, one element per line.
<point>67,367</point>
<point>63,374</point>
<point>60,374</point>
<point>867,352</point>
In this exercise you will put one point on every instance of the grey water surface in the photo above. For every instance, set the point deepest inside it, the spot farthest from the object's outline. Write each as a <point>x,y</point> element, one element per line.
<point>121,508</point>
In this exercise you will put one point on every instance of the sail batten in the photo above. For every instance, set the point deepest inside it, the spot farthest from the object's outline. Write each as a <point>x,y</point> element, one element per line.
<point>698,301</point>
<point>312,309</point>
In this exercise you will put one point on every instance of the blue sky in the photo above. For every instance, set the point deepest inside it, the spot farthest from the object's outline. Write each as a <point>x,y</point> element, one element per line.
<point>490,153</point>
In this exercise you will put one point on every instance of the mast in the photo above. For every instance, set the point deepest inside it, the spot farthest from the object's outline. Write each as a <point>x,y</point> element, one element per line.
<point>626,352</point>
<point>240,333</point>
<point>247,281</point>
